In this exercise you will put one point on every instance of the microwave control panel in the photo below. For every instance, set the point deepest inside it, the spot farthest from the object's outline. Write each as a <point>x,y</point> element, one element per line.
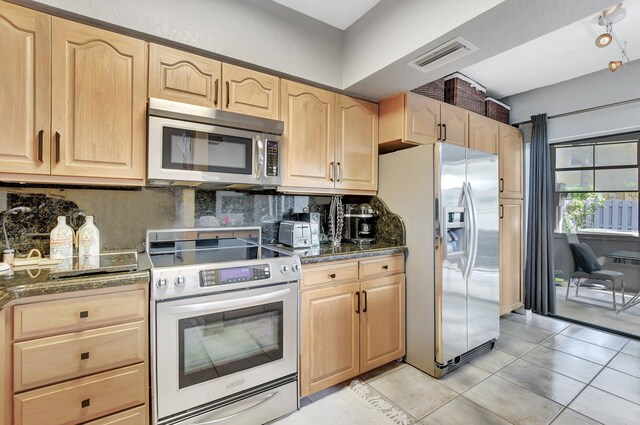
<point>272,158</point>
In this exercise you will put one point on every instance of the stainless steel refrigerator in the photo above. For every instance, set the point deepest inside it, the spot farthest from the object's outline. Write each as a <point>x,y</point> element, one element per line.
<point>447,196</point>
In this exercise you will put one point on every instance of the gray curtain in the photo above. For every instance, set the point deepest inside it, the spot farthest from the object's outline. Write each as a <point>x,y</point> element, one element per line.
<point>540,295</point>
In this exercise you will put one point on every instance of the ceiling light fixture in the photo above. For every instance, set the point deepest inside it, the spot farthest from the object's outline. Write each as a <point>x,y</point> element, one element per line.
<point>604,40</point>
<point>614,65</point>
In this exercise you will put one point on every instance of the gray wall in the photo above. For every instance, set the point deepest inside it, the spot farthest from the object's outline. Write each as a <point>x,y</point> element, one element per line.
<point>588,91</point>
<point>259,32</point>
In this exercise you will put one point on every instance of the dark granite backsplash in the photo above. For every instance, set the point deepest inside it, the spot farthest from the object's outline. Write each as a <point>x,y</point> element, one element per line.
<point>123,216</point>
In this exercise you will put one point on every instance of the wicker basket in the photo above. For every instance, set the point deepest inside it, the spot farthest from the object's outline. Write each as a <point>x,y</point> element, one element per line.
<point>464,92</point>
<point>434,90</point>
<point>496,110</point>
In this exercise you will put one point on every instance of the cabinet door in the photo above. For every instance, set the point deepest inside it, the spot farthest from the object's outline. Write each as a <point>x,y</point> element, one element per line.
<point>250,92</point>
<point>356,144</point>
<point>183,77</point>
<point>455,124</point>
<point>308,139</point>
<point>483,133</point>
<point>381,321</point>
<point>328,337</point>
<point>25,85</point>
<point>99,102</point>
<point>422,116</point>
<point>510,154</point>
<point>511,262</point>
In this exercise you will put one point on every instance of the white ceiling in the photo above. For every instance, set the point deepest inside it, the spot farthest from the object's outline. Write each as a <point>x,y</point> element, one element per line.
<point>338,13</point>
<point>561,55</point>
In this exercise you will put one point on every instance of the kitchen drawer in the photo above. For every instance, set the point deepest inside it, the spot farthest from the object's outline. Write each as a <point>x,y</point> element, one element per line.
<point>77,354</point>
<point>314,276</point>
<point>74,314</point>
<point>135,416</point>
<point>82,399</point>
<point>381,266</point>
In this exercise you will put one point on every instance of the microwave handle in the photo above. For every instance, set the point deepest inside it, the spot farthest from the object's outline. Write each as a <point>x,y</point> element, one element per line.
<point>259,157</point>
<point>217,306</point>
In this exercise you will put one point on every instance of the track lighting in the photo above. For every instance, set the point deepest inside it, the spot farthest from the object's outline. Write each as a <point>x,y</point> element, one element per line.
<point>604,40</point>
<point>614,65</point>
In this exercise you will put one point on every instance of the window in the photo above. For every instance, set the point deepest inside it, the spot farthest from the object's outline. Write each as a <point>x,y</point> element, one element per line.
<point>596,185</point>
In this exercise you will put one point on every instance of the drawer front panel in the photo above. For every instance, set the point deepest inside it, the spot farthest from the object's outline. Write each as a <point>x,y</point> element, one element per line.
<point>136,416</point>
<point>381,266</point>
<point>328,274</point>
<point>77,354</point>
<point>74,314</point>
<point>82,399</point>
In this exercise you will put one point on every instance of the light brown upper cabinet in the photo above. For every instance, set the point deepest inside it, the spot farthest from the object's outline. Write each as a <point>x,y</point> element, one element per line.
<point>25,90</point>
<point>483,133</point>
<point>454,122</point>
<point>408,119</point>
<point>250,92</point>
<point>510,154</point>
<point>308,155</point>
<point>99,95</point>
<point>511,250</point>
<point>356,144</point>
<point>184,77</point>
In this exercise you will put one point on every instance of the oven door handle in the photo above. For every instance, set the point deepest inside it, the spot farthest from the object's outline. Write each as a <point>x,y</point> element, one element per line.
<point>243,411</point>
<point>216,306</point>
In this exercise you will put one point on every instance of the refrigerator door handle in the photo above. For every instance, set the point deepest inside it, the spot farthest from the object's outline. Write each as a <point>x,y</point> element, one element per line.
<point>474,229</point>
<point>466,203</point>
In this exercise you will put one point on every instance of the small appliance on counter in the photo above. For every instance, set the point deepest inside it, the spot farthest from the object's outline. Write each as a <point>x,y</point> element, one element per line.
<point>359,224</point>
<point>313,218</point>
<point>296,234</point>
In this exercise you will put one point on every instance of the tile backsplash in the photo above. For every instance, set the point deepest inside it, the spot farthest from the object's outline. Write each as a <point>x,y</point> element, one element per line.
<point>123,216</point>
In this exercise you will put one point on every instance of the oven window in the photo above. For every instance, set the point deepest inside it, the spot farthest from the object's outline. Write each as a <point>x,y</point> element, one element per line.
<point>198,151</point>
<point>220,344</point>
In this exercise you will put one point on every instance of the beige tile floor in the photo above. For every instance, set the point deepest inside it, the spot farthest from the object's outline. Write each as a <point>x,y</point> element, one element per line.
<point>542,371</point>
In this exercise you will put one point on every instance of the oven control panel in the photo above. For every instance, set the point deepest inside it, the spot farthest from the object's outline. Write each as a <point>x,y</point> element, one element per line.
<point>230,275</point>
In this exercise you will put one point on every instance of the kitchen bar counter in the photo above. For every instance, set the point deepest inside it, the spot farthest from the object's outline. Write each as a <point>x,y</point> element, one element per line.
<point>36,282</point>
<point>345,251</point>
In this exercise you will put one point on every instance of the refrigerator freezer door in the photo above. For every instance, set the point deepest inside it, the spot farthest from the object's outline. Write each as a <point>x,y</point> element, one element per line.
<point>483,287</point>
<point>451,306</point>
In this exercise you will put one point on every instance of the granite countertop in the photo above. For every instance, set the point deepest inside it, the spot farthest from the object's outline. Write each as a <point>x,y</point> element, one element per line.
<point>345,251</point>
<point>34,282</point>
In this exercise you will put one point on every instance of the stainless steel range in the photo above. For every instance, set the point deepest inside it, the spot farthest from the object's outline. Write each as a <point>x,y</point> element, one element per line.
<point>224,327</point>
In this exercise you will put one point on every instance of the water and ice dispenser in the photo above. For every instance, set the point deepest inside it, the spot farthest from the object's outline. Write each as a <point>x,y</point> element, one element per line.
<point>455,231</point>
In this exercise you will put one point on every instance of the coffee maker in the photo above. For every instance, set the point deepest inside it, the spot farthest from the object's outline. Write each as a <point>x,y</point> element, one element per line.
<point>359,224</point>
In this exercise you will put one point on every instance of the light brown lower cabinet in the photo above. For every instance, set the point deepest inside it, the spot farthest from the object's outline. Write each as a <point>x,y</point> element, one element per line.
<point>511,258</point>
<point>77,357</point>
<point>352,327</point>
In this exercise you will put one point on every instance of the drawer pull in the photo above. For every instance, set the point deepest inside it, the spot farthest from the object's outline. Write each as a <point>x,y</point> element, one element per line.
<point>386,267</point>
<point>86,403</point>
<point>84,356</point>
<point>84,314</point>
<point>332,275</point>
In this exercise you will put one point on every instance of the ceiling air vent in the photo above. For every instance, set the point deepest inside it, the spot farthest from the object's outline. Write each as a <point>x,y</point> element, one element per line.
<point>446,53</point>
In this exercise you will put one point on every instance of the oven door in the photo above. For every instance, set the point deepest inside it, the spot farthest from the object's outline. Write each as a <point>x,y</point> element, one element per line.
<point>182,151</point>
<point>213,346</point>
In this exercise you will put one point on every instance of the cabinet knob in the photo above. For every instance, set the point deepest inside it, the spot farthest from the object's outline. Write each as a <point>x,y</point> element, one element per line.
<point>86,403</point>
<point>84,356</point>
<point>332,275</point>
<point>386,267</point>
<point>84,314</point>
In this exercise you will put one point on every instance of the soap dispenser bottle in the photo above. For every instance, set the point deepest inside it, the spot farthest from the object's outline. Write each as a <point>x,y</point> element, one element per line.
<point>61,240</point>
<point>88,243</point>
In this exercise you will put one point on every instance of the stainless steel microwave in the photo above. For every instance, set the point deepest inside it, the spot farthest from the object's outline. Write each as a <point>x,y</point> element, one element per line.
<point>193,145</point>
